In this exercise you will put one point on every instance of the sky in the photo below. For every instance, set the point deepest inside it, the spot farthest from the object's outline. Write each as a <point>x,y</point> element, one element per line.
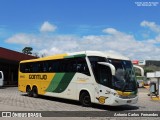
<point>127,27</point>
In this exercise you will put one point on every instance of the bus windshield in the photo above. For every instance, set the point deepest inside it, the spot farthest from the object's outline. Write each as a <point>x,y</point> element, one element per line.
<point>124,78</point>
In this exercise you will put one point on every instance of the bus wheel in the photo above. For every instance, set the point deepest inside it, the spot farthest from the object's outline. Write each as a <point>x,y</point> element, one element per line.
<point>35,92</point>
<point>29,91</point>
<point>85,99</point>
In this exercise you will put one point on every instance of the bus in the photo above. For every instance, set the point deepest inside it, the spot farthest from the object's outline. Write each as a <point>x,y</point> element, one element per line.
<point>1,79</point>
<point>87,76</point>
<point>140,78</point>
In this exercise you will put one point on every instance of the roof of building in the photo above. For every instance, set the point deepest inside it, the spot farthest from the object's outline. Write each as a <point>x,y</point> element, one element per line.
<point>13,55</point>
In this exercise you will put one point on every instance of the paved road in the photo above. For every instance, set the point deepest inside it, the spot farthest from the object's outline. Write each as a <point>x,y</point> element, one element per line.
<point>13,100</point>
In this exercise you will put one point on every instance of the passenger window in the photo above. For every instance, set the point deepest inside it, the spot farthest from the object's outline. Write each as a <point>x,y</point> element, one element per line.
<point>27,68</point>
<point>82,66</point>
<point>45,66</point>
<point>61,65</point>
<point>35,67</point>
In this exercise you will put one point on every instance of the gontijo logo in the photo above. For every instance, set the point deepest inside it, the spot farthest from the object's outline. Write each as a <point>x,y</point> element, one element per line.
<point>102,99</point>
<point>38,76</point>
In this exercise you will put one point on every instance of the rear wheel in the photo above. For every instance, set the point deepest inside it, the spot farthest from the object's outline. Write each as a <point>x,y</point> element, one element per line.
<point>35,91</point>
<point>85,99</point>
<point>29,91</point>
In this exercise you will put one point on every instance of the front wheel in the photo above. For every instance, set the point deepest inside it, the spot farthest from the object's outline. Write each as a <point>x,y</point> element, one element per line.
<point>85,99</point>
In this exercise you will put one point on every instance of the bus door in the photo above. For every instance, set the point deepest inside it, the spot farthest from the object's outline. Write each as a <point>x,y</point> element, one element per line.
<point>1,78</point>
<point>104,78</point>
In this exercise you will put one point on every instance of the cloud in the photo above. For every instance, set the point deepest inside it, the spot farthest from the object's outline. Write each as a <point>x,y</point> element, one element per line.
<point>20,39</point>
<point>113,40</point>
<point>47,27</point>
<point>110,31</point>
<point>152,25</point>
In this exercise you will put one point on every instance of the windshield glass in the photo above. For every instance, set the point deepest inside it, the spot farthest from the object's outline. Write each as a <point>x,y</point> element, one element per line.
<point>124,78</point>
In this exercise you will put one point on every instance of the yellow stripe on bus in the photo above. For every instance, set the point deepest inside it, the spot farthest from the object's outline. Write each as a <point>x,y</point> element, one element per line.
<point>123,93</point>
<point>60,56</point>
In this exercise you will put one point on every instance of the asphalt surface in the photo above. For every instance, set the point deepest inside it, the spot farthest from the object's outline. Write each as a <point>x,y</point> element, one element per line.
<point>13,100</point>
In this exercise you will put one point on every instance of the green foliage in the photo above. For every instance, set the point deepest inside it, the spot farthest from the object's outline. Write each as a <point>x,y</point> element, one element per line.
<point>151,68</point>
<point>137,73</point>
<point>27,50</point>
<point>148,70</point>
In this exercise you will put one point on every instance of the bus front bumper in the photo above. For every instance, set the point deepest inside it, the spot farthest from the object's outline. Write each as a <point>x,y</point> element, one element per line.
<point>121,101</point>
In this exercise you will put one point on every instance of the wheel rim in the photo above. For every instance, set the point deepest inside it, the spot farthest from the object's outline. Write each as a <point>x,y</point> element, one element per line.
<point>28,91</point>
<point>86,100</point>
<point>35,92</point>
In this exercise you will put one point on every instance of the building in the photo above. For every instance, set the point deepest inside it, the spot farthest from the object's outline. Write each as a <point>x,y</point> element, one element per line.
<point>9,62</point>
<point>147,62</point>
<point>153,63</point>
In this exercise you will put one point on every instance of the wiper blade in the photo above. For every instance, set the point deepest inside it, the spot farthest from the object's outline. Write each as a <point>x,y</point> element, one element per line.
<point>124,87</point>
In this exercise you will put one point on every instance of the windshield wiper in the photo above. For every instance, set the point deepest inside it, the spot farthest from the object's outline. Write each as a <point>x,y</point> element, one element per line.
<point>127,80</point>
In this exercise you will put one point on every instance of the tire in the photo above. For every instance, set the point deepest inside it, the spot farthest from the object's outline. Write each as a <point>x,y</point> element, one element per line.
<point>35,92</point>
<point>29,91</point>
<point>85,99</point>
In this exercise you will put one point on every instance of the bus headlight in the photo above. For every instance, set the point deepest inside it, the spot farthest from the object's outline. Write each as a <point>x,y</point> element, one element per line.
<point>116,94</point>
<point>113,93</point>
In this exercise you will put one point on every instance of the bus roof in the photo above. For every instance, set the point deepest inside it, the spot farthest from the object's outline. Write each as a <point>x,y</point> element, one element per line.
<point>80,54</point>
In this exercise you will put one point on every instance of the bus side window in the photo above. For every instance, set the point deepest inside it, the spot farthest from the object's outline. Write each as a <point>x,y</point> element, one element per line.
<point>35,67</point>
<point>40,67</point>
<point>45,66</point>
<point>82,66</point>
<point>71,65</point>
<point>27,68</point>
<point>54,66</point>
<point>94,60</point>
<point>22,67</point>
<point>50,69</point>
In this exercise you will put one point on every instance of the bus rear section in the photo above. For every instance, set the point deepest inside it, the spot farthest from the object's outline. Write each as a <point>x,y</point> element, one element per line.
<point>1,78</point>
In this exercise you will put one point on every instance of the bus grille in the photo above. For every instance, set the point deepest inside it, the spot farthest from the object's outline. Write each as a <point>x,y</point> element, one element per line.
<point>128,97</point>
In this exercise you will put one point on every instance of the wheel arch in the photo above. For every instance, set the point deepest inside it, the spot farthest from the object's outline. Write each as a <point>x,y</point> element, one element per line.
<point>86,90</point>
<point>34,86</point>
<point>28,86</point>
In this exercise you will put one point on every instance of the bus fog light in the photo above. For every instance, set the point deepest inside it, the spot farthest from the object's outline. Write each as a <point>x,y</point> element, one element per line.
<point>116,101</point>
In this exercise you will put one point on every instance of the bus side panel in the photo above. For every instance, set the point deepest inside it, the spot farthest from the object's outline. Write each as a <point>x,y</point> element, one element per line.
<point>63,85</point>
<point>89,87</point>
<point>42,85</point>
<point>85,83</point>
<point>22,82</point>
<point>72,91</point>
<point>30,79</point>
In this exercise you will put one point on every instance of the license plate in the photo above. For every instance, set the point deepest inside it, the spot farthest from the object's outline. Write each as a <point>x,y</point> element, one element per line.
<point>129,101</point>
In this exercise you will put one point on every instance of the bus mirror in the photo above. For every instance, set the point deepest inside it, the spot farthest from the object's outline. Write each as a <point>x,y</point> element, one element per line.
<point>113,70</point>
<point>140,68</point>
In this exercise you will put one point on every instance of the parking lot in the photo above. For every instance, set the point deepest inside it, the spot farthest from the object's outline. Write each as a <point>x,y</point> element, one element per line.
<point>13,100</point>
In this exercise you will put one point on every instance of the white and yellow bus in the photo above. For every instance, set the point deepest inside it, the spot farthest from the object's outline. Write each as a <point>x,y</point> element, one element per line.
<point>89,77</point>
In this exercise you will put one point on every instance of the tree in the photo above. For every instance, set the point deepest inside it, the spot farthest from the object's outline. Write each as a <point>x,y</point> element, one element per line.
<point>35,54</point>
<point>27,50</point>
